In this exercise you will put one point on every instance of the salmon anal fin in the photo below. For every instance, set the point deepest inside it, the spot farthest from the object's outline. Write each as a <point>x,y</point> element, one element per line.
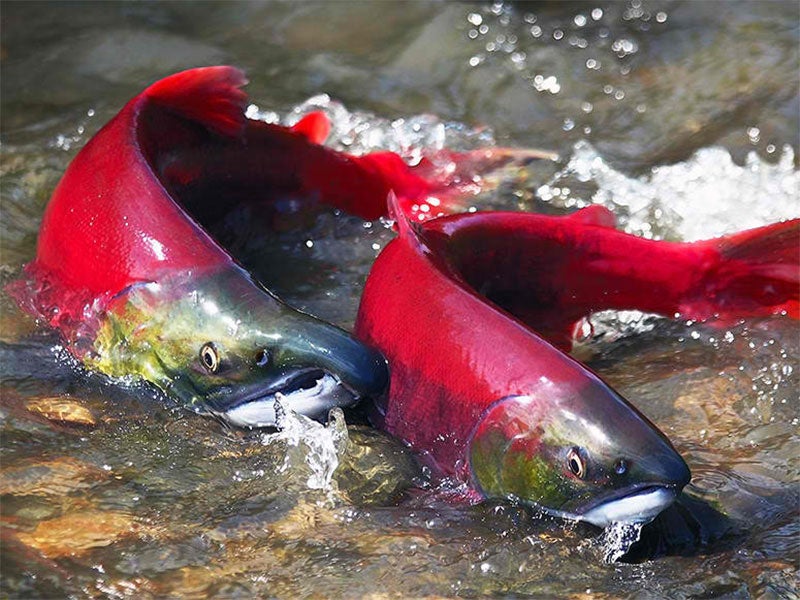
<point>595,215</point>
<point>209,95</point>
<point>315,126</point>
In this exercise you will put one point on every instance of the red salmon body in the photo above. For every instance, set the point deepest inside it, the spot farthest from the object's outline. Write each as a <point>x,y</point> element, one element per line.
<point>138,288</point>
<point>118,216</point>
<point>472,312</point>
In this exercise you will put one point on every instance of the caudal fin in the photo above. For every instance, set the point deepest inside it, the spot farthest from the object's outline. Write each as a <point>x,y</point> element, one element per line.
<point>208,95</point>
<point>758,272</point>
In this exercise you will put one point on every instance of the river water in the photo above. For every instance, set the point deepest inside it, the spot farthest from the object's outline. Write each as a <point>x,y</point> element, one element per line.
<point>682,117</point>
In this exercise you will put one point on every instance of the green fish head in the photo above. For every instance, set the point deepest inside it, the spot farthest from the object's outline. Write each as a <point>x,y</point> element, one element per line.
<point>221,344</point>
<point>587,458</point>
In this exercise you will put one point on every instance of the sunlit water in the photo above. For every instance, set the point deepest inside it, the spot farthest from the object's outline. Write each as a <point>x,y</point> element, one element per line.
<point>679,118</point>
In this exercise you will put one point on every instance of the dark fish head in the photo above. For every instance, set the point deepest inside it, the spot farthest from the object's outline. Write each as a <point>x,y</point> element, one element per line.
<point>588,456</point>
<point>222,345</point>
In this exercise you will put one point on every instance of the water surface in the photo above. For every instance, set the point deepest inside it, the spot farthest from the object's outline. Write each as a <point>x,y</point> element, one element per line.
<point>681,117</point>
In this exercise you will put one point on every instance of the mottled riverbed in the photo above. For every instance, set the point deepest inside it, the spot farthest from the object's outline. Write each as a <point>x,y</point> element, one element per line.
<point>683,117</point>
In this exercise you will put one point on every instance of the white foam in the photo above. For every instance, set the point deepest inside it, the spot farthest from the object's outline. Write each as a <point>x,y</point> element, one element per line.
<point>705,196</point>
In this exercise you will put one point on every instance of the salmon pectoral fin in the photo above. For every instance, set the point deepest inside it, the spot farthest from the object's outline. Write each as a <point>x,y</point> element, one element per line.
<point>757,274</point>
<point>210,96</point>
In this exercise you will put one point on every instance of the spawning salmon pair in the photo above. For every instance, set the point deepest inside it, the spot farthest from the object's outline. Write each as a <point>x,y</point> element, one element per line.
<point>466,318</point>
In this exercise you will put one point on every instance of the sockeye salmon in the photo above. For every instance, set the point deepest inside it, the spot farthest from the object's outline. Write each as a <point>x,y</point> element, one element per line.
<point>138,289</point>
<point>473,313</point>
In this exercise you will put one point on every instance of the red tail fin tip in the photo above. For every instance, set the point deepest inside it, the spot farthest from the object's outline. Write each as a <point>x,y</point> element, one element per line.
<point>758,272</point>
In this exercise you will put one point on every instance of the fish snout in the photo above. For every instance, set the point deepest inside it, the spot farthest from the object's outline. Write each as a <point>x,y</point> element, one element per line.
<point>645,486</point>
<point>654,462</point>
<point>359,368</point>
<point>315,367</point>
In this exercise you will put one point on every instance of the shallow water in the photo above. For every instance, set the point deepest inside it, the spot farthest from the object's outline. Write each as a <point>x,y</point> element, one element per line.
<point>681,117</point>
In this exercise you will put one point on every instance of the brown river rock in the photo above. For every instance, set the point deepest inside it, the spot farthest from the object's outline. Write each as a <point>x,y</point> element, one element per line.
<point>62,410</point>
<point>76,533</point>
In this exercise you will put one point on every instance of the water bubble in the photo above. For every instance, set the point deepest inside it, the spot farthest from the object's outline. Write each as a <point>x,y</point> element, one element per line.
<point>568,125</point>
<point>587,107</point>
<point>578,42</point>
<point>579,20</point>
<point>558,34</point>
<point>536,31</point>
<point>475,19</point>
<point>592,63</point>
<point>597,14</point>
<point>754,134</point>
<point>661,16</point>
<point>624,47</point>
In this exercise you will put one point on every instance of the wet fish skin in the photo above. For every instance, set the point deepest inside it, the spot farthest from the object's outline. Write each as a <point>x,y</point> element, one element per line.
<point>138,289</point>
<point>474,313</point>
<point>127,275</point>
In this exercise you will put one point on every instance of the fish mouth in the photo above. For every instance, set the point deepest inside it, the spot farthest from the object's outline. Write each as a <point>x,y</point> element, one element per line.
<point>311,392</point>
<point>640,503</point>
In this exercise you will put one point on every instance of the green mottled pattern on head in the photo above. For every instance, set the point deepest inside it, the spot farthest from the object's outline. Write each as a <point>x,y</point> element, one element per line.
<point>219,340</point>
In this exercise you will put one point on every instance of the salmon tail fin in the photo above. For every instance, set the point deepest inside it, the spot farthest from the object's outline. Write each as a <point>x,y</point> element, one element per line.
<point>315,126</point>
<point>758,272</point>
<point>208,95</point>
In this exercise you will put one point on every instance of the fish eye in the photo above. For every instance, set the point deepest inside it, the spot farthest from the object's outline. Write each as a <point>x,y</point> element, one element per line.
<point>576,463</point>
<point>262,357</point>
<point>209,356</point>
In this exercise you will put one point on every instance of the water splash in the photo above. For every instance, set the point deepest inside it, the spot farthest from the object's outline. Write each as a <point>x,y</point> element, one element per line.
<point>359,132</point>
<point>705,196</point>
<point>318,446</point>
<point>618,538</point>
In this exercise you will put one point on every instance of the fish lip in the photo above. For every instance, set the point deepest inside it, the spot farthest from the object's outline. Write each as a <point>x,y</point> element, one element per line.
<point>257,409</point>
<point>284,385</point>
<point>652,499</point>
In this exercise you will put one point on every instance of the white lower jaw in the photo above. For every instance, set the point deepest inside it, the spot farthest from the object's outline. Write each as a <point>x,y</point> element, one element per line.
<point>311,402</point>
<point>635,508</point>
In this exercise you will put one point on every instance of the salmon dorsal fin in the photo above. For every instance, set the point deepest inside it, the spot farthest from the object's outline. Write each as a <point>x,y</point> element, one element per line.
<point>208,95</point>
<point>315,126</point>
<point>595,215</point>
<point>406,228</point>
